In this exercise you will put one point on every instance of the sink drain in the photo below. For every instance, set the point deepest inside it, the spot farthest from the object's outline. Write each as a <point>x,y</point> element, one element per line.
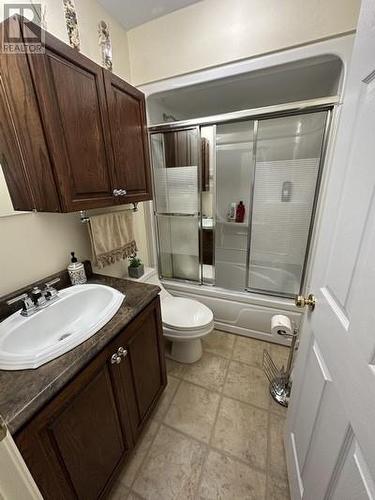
<point>64,336</point>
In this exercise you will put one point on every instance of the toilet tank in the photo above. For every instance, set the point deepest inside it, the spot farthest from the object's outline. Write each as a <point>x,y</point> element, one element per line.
<point>151,276</point>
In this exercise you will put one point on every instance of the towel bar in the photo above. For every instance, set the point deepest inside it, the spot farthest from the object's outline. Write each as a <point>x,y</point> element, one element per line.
<point>86,218</point>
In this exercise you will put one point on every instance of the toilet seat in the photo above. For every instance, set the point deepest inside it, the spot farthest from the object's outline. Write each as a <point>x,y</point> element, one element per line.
<point>185,316</point>
<point>185,322</point>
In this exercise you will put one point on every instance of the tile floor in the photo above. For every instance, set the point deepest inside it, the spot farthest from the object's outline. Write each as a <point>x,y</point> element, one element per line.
<point>216,433</point>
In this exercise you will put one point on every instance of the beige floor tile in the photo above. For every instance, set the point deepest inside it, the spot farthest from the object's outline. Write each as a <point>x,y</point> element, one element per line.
<point>174,368</point>
<point>277,463</point>
<point>249,351</point>
<point>166,398</point>
<point>277,490</point>
<point>209,371</point>
<point>247,383</point>
<point>134,496</point>
<point>172,467</point>
<point>220,343</point>
<point>138,455</point>
<point>193,411</point>
<point>279,354</point>
<point>241,430</point>
<point>225,478</point>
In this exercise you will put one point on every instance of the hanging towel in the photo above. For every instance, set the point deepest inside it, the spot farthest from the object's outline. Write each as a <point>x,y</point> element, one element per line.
<point>112,237</point>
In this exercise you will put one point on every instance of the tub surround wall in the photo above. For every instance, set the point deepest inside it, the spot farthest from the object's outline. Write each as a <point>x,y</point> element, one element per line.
<point>216,32</point>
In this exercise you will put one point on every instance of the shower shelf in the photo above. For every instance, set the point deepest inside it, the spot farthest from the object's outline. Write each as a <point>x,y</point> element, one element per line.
<point>232,223</point>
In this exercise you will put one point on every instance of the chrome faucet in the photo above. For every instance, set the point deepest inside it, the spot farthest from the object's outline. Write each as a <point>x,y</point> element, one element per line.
<point>38,299</point>
<point>28,306</point>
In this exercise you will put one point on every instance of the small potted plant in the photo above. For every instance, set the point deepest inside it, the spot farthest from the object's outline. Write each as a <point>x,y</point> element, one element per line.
<point>136,268</point>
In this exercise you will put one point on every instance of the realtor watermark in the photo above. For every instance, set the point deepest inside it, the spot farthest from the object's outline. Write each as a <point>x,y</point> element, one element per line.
<point>22,31</point>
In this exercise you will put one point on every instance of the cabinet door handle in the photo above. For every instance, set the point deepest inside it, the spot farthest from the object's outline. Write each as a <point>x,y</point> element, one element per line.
<point>122,192</point>
<point>115,359</point>
<point>116,192</point>
<point>122,352</point>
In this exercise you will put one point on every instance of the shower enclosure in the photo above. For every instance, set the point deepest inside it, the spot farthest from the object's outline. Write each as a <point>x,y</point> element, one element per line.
<point>272,163</point>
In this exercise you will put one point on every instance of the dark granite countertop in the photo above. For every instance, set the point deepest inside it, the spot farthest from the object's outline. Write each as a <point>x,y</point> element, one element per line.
<point>24,392</point>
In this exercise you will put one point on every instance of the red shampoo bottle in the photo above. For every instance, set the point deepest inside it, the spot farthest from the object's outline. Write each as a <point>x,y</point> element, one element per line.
<point>240,212</point>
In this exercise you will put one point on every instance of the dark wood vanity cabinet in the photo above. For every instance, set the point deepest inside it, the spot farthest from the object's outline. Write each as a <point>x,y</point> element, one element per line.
<point>80,132</point>
<point>75,445</point>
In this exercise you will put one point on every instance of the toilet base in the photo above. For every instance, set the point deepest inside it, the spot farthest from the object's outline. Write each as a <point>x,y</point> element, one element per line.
<point>185,352</point>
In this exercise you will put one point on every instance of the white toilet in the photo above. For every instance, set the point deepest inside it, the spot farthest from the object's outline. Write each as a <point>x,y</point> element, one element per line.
<point>185,322</point>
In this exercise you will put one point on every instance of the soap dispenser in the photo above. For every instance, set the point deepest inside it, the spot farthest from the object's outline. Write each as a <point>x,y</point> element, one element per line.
<point>76,271</point>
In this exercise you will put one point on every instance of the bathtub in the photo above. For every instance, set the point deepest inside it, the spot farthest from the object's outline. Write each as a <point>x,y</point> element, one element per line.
<point>243,313</point>
<point>233,276</point>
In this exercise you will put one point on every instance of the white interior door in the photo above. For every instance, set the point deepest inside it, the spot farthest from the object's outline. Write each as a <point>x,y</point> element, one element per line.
<point>330,431</point>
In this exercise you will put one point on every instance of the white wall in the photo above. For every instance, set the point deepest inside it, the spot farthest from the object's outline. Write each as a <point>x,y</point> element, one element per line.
<point>214,32</point>
<point>35,245</point>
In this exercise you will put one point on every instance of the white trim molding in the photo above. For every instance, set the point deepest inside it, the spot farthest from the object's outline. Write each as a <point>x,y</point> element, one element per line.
<point>15,478</point>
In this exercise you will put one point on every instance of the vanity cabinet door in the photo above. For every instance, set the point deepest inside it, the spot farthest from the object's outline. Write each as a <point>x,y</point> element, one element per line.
<point>72,101</point>
<point>128,126</point>
<point>75,445</point>
<point>142,374</point>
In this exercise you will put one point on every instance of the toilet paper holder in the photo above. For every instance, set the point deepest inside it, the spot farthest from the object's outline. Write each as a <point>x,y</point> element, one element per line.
<point>279,378</point>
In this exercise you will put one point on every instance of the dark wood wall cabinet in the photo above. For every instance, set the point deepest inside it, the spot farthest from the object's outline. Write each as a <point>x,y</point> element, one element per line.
<point>76,444</point>
<point>73,136</point>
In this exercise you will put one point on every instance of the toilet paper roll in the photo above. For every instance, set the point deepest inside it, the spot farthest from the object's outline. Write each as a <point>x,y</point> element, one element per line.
<point>281,325</point>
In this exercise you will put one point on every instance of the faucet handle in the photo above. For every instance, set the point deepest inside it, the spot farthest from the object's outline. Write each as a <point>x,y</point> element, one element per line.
<point>38,297</point>
<point>28,306</point>
<point>49,292</point>
<point>49,284</point>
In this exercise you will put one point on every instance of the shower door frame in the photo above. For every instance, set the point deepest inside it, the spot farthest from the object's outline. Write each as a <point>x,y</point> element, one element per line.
<point>199,213</point>
<point>255,114</point>
<point>323,150</point>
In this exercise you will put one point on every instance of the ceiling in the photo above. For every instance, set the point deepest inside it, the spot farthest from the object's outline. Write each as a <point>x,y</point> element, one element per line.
<point>132,13</point>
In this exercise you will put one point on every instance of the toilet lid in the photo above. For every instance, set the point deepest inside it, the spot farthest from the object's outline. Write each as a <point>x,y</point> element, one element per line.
<point>184,314</point>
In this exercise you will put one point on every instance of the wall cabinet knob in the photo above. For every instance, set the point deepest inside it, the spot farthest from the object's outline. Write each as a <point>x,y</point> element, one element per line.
<point>119,192</point>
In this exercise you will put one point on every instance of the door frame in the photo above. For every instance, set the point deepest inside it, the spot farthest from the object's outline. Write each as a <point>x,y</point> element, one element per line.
<point>16,480</point>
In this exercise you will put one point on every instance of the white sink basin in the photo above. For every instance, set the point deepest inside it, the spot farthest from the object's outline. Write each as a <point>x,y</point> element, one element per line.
<point>78,313</point>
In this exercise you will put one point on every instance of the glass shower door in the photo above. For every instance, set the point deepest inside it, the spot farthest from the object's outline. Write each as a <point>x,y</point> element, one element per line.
<point>175,157</point>
<point>288,154</point>
<point>234,174</point>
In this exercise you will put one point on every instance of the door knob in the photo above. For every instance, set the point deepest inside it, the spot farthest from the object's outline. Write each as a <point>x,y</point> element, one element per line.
<point>308,301</point>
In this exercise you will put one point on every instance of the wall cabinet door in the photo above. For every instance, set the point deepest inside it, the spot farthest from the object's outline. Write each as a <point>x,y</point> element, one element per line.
<point>71,96</point>
<point>74,446</point>
<point>73,136</point>
<point>127,119</point>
